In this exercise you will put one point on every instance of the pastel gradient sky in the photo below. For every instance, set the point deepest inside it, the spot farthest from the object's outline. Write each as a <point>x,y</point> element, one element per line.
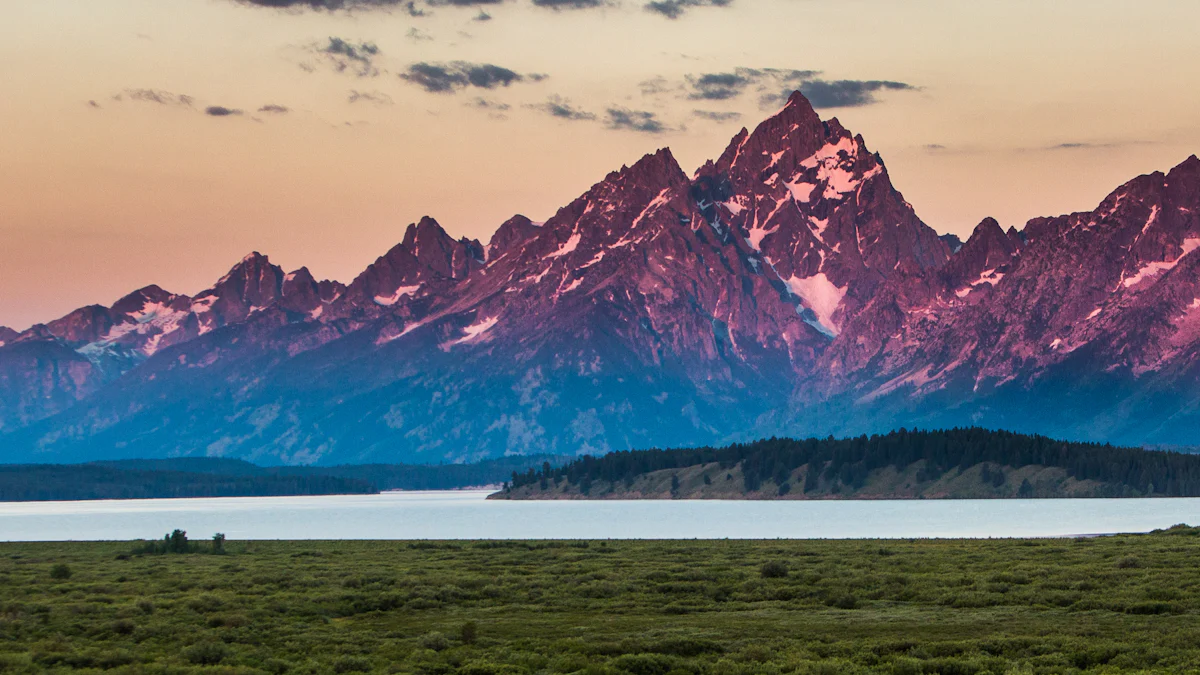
<point>117,170</point>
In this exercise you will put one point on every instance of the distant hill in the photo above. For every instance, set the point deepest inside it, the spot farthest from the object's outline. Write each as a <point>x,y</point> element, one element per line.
<point>959,463</point>
<point>219,477</point>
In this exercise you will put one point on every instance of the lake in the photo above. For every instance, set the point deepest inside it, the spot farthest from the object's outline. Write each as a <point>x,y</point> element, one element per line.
<point>468,515</point>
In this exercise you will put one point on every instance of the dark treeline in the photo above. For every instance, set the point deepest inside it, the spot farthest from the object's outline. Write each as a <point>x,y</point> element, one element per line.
<point>44,482</point>
<point>849,461</point>
<point>431,477</point>
<point>220,477</point>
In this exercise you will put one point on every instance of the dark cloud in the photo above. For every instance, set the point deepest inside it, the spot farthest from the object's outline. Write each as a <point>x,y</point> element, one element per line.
<point>93,104</point>
<point>463,3</point>
<point>634,120</point>
<point>412,9</point>
<point>347,56</point>
<point>731,85</point>
<point>221,111</point>
<point>482,16</point>
<point>557,106</point>
<point>673,9</point>
<point>934,147</point>
<point>847,93</point>
<point>274,109</point>
<point>373,97</point>
<point>415,33</point>
<point>718,86</point>
<point>571,4</point>
<point>156,96</point>
<point>447,78</point>
<point>714,116</point>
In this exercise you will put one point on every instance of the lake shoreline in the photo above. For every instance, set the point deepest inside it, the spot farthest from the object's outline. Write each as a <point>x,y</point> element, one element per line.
<point>470,515</point>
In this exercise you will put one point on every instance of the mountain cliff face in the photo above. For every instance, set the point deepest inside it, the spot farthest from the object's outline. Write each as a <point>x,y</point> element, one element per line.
<point>785,288</point>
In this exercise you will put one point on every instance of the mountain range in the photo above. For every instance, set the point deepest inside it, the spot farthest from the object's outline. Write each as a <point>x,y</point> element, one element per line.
<point>786,288</point>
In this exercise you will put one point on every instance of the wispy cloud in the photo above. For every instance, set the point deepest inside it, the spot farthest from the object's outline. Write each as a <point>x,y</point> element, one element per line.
<point>848,93</point>
<point>774,85</point>
<point>448,78</point>
<point>156,96</point>
<point>487,104</point>
<point>724,86</point>
<point>572,4</point>
<point>333,5</point>
<point>557,106</point>
<point>634,120</point>
<point>714,116</point>
<point>221,111</point>
<point>347,56</point>
<point>373,97</point>
<point>673,9</point>
<point>274,109</point>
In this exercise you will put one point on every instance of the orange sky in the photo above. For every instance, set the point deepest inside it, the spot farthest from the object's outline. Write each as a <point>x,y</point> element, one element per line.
<point>97,201</point>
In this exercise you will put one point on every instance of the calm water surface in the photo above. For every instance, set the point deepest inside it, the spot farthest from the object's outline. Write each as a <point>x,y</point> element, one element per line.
<point>467,515</point>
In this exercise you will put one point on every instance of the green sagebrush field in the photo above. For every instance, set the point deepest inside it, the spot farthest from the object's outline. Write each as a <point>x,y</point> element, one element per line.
<point>1118,604</point>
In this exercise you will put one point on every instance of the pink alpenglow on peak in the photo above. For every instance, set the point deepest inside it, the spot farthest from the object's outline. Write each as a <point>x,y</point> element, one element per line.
<point>786,288</point>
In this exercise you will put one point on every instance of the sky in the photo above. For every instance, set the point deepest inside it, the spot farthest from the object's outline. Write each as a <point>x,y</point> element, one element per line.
<point>159,142</point>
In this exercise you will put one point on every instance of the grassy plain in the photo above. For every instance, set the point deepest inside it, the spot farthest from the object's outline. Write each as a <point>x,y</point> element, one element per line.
<point>1120,604</point>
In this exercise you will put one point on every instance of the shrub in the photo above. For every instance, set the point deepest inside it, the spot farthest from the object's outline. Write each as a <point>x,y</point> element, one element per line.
<point>1128,562</point>
<point>844,601</point>
<point>435,641</point>
<point>774,569</point>
<point>122,627</point>
<point>60,572</point>
<point>644,664</point>
<point>351,664</point>
<point>469,633</point>
<point>206,653</point>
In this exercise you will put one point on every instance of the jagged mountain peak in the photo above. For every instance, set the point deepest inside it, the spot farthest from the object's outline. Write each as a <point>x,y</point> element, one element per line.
<point>1192,163</point>
<point>427,259</point>
<point>658,168</point>
<point>982,261</point>
<point>429,243</point>
<point>788,288</point>
<point>511,233</point>
<point>135,300</point>
<point>300,276</point>
<point>794,133</point>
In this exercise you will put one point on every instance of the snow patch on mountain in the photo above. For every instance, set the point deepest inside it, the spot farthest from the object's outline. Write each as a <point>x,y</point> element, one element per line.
<point>389,300</point>
<point>1153,269</point>
<point>663,197</point>
<point>802,191</point>
<point>831,152</point>
<point>757,234</point>
<point>477,329</point>
<point>568,246</point>
<point>820,295</point>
